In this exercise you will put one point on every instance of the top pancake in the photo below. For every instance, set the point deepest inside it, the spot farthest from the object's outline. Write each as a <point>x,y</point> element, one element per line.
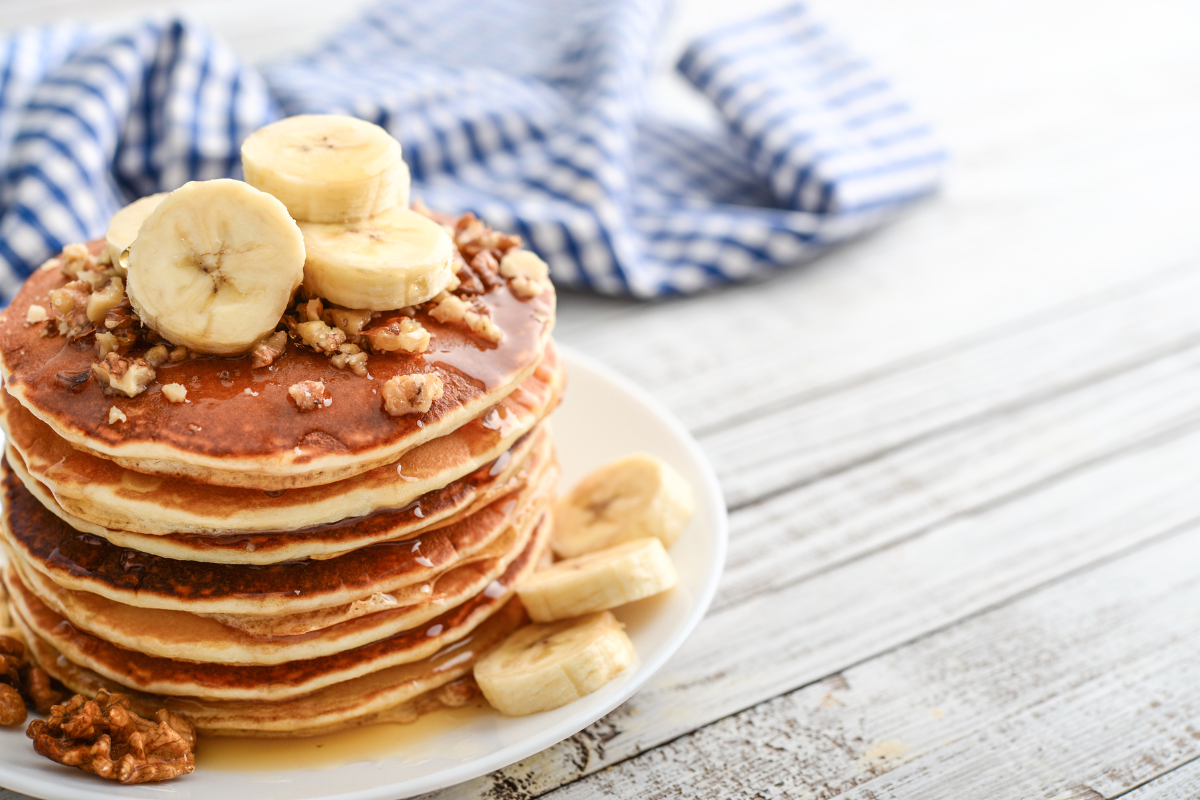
<point>239,427</point>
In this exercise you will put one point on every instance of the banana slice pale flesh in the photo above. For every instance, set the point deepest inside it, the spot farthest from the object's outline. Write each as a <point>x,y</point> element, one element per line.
<point>123,227</point>
<point>214,266</point>
<point>598,581</point>
<point>544,666</point>
<point>327,167</point>
<point>633,497</point>
<point>394,259</point>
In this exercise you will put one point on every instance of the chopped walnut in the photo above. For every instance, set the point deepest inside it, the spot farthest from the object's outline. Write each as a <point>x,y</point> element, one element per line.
<point>119,375</point>
<point>75,259</point>
<point>449,308</point>
<point>174,392</point>
<point>104,737</point>
<point>526,272</point>
<point>350,356</point>
<point>121,316</point>
<point>350,322</point>
<point>267,349</point>
<point>36,314</point>
<point>180,353</point>
<point>116,415</point>
<point>311,310</point>
<point>157,356</point>
<point>70,303</point>
<point>104,300</point>
<point>406,334</point>
<point>319,336</point>
<point>309,395</point>
<point>411,394</point>
<point>106,343</point>
<point>21,680</point>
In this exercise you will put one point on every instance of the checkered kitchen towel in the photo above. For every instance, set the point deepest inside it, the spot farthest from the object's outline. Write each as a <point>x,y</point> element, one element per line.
<point>531,113</point>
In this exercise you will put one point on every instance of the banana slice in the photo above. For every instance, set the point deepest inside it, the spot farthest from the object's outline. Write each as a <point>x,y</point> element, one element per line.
<point>123,227</point>
<point>395,259</point>
<point>597,581</point>
<point>215,265</point>
<point>541,667</point>
<point>326,167</point>
<point>631,498</point>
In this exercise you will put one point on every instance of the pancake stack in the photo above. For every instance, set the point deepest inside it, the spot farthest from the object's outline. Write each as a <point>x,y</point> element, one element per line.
<point>261,540</point>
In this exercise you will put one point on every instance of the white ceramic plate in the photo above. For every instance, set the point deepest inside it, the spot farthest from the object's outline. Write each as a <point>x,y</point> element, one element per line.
<point>602,417</point>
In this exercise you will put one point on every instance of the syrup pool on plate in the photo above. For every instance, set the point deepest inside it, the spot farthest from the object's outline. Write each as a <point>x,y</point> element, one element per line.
<point>408,742</point>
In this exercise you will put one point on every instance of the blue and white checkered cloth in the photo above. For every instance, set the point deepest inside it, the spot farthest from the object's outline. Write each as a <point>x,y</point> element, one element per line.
<point>531,113</point>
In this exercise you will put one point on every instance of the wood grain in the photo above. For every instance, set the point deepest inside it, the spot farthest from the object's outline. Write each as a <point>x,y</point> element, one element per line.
<point>1019,702</point>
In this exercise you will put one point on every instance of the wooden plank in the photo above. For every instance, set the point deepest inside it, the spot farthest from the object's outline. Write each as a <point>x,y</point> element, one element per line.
<point>1181,783</point>
<point>775,642</point>
<point>1084,689</point>
<point>899,494</point>
<point>764,453</point>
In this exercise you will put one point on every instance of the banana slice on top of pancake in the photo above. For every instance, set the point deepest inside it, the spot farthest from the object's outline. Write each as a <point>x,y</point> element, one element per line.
<point>214,266</point>
<point>327,167</point>
<point>395,259</point>
<point>541,667</point>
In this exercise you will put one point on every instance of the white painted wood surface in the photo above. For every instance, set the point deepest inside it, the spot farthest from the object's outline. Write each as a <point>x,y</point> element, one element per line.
<point>962,454</point>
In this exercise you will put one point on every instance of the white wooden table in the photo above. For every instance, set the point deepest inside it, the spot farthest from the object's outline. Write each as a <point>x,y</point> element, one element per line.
<point>962,456</point>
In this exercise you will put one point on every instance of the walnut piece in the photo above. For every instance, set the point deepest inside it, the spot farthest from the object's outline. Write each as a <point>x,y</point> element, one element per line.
<point>21,680</point>
<point>527,273</point>
<point>104,737</point>
<point>106,343</point>
<point>350,356</point>
<point>116,415</point>
<point>411,394</point>
<point>180,353</point>
<point>406,334</point>
<point>174,392</point>
<point>319,336</point>
<point>120,375</point>
<point>349,321</point>
<point>267,349</point>
<point>75,259</point>
<point>104,300</point>
<point>35,314</point>
<point>451,309</point>
<point>157,356</point>
<point>310,395</point>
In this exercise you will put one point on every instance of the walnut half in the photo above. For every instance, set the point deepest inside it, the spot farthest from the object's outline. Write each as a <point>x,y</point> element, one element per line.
<point>411,394</point>
<point>104,737</point>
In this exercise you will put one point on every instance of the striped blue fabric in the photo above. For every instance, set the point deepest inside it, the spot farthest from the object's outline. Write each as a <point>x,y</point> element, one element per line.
<point>531,113</point>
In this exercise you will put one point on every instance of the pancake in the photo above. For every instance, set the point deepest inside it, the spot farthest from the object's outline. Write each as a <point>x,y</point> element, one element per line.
<point>438,508</point>
<point>277,681</point>
<point>389,695</point>
<point>201,639</point>
<point>102,492</point>
<point>239,427</point>
<point>84,562</point>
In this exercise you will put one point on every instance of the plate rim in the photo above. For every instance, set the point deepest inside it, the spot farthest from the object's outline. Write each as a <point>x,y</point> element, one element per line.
<point>482,765</point>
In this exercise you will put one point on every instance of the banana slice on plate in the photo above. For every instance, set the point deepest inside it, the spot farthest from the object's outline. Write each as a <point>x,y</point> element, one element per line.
<point>394,259</point>
<point>540,667</point>
<point>214,266</point>
<point>598,581</point>
<point>326,167</point>
<point>630,498</point>
<point>123,227</point>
